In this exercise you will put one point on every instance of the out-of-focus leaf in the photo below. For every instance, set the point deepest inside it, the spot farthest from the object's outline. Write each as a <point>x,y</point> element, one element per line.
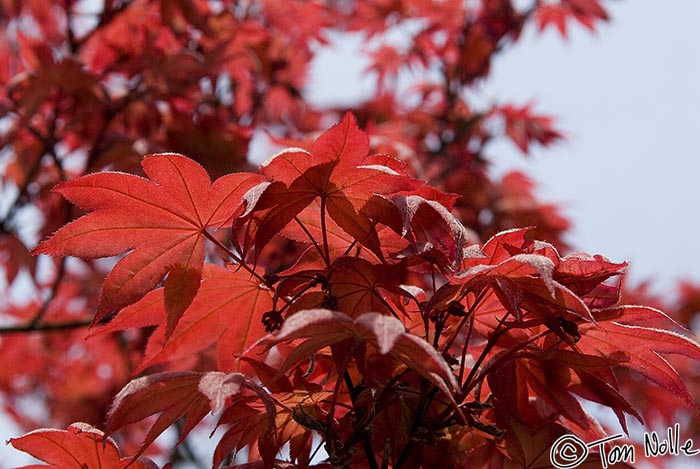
<point>80,446</point>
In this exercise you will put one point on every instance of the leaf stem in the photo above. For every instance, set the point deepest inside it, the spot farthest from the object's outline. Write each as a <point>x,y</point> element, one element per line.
<point>30,175</point>
<point>233,255</point>
<point>308,233</point>
<point>386,304</point>
<point>184,449</point>
<point>366,444</point>
<point>467,385</point>
<point>427,393</point>
<point>511,351</point>
<point>339,381</point>
<point>290,302</point>
<point>324,232</point>
<point>426,314</point>
<point>352,245</point>
<point>463,360</point>
<point>468,314</point>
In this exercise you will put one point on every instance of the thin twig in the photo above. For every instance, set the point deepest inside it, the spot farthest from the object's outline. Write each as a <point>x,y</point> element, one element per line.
<point>462,363</point>
<point>308,233</point>
<point>69,30</point>
<point>467,385</point>
<point>469,313</point>
<point>324,232</point>
<point>313,454</point>
<point>233,256</point>
<point>366,443</point>
<point>185,450</point>
<point>61,269</point>
<point>427,392</point>
<point>59,326</point>
<point>512,351</point>
<point>350,247</point>
<point>22,189</point>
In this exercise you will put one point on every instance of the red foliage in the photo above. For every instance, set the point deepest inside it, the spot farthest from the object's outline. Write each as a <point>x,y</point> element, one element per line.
<point>78,447</point>
<point>559,13</point>
<point>373,289</point>
<point>174,209</point>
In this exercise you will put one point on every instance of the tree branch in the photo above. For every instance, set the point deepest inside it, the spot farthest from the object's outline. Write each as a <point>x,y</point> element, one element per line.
<point>58,326</point>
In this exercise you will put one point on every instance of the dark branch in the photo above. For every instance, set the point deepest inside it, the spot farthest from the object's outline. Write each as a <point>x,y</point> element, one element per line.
<point>58,326</point>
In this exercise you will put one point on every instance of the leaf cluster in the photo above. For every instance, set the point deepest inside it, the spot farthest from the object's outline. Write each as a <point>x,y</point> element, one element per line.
<point>388,327</point>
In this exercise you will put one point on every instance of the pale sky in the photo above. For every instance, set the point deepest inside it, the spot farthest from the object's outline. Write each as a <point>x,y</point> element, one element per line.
<point>628,98</point>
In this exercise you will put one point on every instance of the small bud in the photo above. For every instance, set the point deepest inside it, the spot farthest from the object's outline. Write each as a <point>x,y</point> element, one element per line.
<point>330,302</point>
<point>270,280</point>
<point>570,328</point>
<point>272,320</point>
<point>455,308</point>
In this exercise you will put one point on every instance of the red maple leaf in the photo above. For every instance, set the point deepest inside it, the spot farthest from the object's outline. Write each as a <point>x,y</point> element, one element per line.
<point>586,12</point>
<point>227,310</point>
<point>523,126</point>
<point>191,395</point>
<point>79,447</point>
<point>339,173</point>
<point>641,348</point>
<point>161,220</point>
<point>324,327</point>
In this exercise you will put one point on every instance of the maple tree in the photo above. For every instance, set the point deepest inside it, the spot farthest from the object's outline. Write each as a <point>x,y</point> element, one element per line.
<point>369,290</point>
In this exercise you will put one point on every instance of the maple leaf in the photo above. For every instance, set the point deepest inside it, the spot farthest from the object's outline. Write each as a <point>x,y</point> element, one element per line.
<point>172,394</point>
<point>522,274</point>
<point>80,446</point>
<point>582,273</point>
<point>554,376</point>
<point>358,285</point>
<point>534,271</point>
<point>32,91</point>
<point>506,243</point>
<point>590,8</point>
<point>323,327</point>
<point>329,224</point>
<point>549,14</point>
<point>161,220</point>
<point>188,394</point>
<point>352,285</point>
<point>640,349</point>
<point>246,422</point>
<point>339,172</point>
<point>586,12</point>
<point>523,126</point>
<point>432,226</point>
<point>386,62</point>
<point>525,280</point>
<point>227,310</point>
<point>596,381</point>
<point>423,219</point>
